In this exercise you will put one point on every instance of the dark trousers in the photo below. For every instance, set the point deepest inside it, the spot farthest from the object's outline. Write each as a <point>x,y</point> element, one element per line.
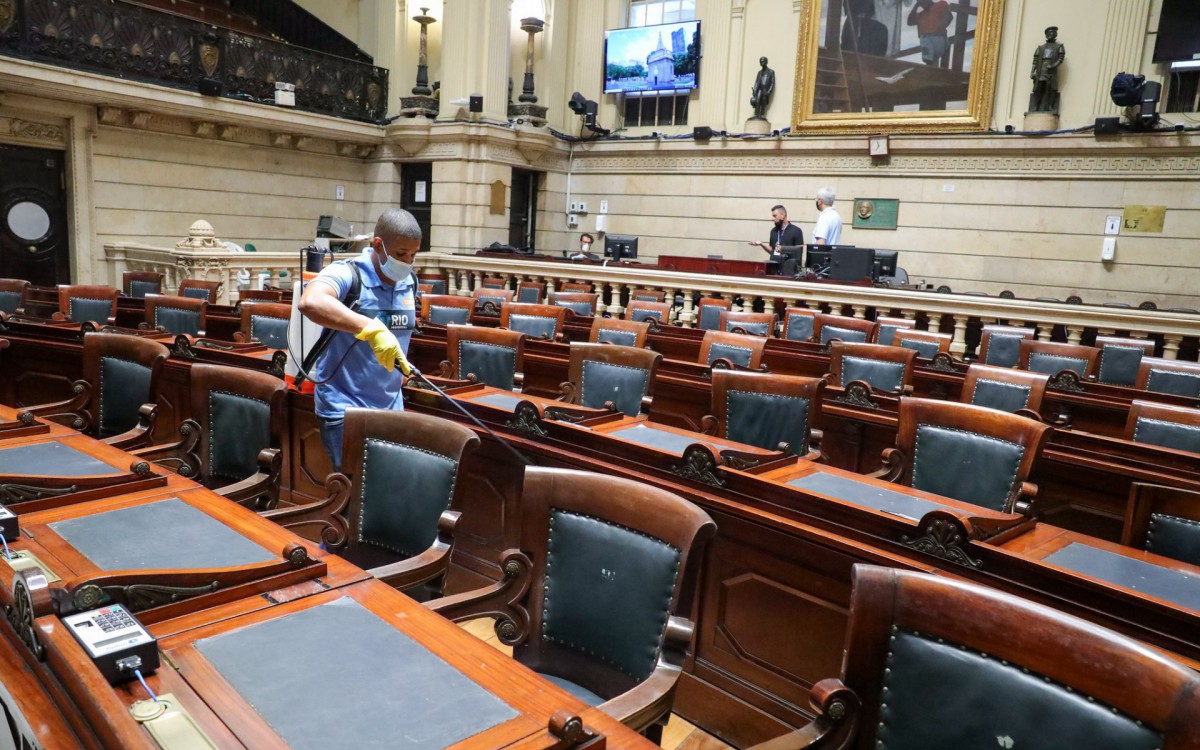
<point>331,438</point>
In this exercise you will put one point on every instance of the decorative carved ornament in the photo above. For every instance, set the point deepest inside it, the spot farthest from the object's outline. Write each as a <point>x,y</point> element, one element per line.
<point>528,420</point>
<point>699,465</point>
<point>943,537</point>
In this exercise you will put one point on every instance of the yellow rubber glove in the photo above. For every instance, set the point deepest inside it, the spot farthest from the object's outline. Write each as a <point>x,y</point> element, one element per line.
<point>382,342</point>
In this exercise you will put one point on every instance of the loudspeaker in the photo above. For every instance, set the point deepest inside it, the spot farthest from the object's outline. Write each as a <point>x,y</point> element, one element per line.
<point>476,102</point>
<point>1107,125</point>
<point>701,133</point>
<point>210,87</point>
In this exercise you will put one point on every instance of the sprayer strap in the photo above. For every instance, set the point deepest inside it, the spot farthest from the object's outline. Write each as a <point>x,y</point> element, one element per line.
<point>327,334</point>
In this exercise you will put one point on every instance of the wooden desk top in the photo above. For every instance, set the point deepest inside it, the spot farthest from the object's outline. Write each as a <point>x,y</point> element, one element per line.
<point>670,440</point>
<point>11,426</point>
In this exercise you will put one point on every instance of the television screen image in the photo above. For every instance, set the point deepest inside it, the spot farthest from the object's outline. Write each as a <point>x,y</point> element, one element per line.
<point>619,247</point>
<point>652,58</point>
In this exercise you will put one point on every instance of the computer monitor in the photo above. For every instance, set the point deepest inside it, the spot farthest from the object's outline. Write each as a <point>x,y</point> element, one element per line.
<point>852,263</point>
<point>820,257</point>
<point>885,263</point>
<point>792,260</point>
<point>619,247</point>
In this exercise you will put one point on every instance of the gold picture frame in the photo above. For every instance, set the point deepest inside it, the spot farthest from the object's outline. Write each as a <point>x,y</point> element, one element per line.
<point>900,90</point>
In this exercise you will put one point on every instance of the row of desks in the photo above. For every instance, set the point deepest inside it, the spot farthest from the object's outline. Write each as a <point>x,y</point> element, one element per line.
<point>266,640</point>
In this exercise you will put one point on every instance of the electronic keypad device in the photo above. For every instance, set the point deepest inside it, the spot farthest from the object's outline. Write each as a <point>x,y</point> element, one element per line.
<point>115,641</point>
<point>10,528</point>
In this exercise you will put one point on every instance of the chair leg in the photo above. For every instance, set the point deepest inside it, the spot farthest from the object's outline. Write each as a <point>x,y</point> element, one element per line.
<point>654,731</point>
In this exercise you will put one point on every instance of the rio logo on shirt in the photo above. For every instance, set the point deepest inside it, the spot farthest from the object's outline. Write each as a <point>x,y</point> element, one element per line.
<point>397,319</point>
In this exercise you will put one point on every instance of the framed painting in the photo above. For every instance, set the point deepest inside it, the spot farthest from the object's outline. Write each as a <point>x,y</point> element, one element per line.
<point>871,66</point>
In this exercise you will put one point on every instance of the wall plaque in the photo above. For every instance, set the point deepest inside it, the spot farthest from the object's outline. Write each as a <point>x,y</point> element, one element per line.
<point>876,213</point>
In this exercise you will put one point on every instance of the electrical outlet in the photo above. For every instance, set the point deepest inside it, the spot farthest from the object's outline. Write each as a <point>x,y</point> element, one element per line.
<point>1112,225</point>
<point>583,207</point>
<point>603,207</point>
<point>1108,250</point>
<point>572,220</point>
<point>572,207</point>
<point>340,192</point>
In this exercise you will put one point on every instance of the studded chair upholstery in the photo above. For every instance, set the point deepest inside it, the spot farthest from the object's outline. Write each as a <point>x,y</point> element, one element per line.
<point>602,373</point>
<point>494,282</point>
<point>639,310</point>
<point>259,295</point>
<point>535,321</point>
<point>486,298</point>
<point>197,289</point>
<point>116,399</point>
<point>927,656</point>
<point>231,442</point>
<point>736,349</point>
<point>405,497</point>
<point>176,315</point>
<point>937,441</point>
<point>764,410</point>
<point>1169,376</point>
<point>887,369</point>
<point>492,356</point>
<point>1120,359</point>
<point>579,303</point>
<point>266,322</point>
<point>444,309</point>
<point>648,295</point>
<point>606,572</point>
<point>138,284</point>
<point>799,323</point>
<point>1174,427</point>
<point>1052,358</point>
<point>437,283</point>
<point>81,303</point>
<point>886,329</point>
<point>752,323</point>
<point>530,292</point>
<point>1000,345</point>
<point>13,293</point>
<point>927,344</point>
<point>842,328</point>
<point>1004,388</point>
<point>1163,520</point>
<point>708,312</point>
<point>617,331</point>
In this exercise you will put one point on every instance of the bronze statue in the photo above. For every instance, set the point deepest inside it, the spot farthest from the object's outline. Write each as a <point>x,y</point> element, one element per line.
<point>764,87</point>
<point>1044,75</point>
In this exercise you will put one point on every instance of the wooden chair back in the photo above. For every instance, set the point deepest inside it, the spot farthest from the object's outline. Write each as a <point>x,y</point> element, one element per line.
<point>764,410</point>
<point>736,349</point>
<point>1163,520</point>
<point>1169,376</point>
<point>603,373</point>
<point>265,322</point>
<point>799,324</point>
<point>886,329</point>
<point>937,439</point>
<point>125,372</point>
<point>708,312</point>
<point>534,320</point>
<point>638,311</point>
<point>887,369</point>
<point>579,303</point>
<point>241,414</point>
<point>575,287</point>
<point>494,282</point>
<point>617,331</point>
<point>1052,357</point>
<point>648,295</point>
<point>138,284</point>
<point>842,328</point>
<point>82,302</point>
<point>751,323</point>
<point>912,633</point>
<point>999,345</point>
<point>492,356</point>
<point>530,292</point>
<point>486,299</point>
<point>1164,425</point>
<point>927,344</point>
<point>1004,388</point>
<point>198,289</point>
<point>444,309</point>
<point>176,315</point>
<point>260,295</point>
<point>1121,358</point>
<point>13,293</point>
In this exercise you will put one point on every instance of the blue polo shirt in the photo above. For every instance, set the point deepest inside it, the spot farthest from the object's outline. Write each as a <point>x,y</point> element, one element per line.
<point>354,377</point>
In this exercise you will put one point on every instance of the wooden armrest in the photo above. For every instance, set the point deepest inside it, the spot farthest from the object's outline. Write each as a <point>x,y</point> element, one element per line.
<point>140,435</point>
<point>71,412</point>
<point>327,513</point>
<point>651,699</point>
<point>427,566</point>
<point>736,459</point>
<point>261,490</point>
<point>1024,498</point>
<point>708,425</point>
<point>836,707</point>
<point>501,600</point>
<point>893,465</point>
<point>568,393</point>
<point>179,456</point>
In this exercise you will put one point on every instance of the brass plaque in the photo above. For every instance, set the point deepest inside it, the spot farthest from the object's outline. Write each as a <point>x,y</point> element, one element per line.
<point>498,197</point>
<point>1144,218</point>
<point>876,213</point>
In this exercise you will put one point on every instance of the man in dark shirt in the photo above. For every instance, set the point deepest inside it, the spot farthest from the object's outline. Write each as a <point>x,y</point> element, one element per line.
<point>783,235</point>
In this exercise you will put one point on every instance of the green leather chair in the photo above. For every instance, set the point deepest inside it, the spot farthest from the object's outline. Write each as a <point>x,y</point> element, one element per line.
<point>1164,425</point>
<point>492,356</point>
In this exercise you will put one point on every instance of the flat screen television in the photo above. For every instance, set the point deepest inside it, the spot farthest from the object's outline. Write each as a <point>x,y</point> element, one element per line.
<point>665,57</point>
<point>1178,31</point>
<point>619,247</point>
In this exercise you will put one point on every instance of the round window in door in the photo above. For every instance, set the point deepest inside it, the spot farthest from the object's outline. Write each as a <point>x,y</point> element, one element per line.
<point>28,221</point>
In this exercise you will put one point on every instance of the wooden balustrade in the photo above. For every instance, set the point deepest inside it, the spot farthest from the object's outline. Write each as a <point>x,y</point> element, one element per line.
<point>177,264</point>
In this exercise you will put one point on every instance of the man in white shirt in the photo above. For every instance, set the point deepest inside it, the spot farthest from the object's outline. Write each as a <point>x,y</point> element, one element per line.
<point>828,230</point>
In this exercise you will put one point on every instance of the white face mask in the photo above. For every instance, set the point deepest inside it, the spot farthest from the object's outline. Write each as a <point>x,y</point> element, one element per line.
<point>396,270</point>
<point>585,247</point>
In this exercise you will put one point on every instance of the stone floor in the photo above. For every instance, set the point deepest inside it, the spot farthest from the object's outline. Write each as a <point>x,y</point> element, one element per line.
<point>679,734</point>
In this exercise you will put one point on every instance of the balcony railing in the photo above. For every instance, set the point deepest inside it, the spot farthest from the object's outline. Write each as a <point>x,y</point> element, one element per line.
<point>133,42</point>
